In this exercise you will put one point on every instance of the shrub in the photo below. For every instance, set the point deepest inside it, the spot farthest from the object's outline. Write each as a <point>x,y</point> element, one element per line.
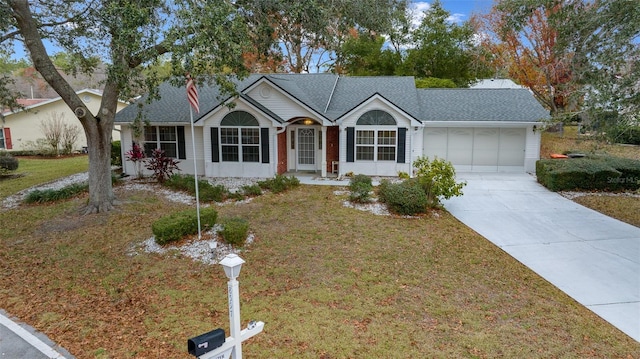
<point>438,179</point>
<point>207,192</point>
<point>589,173</point>
<point>137,156</point>
<point>403,175</point>
<point>7,162</point>
<point>360,187</point>
<point>251,190</point>
<point>383,190</point>
<point>235,230</point>
<point>161,165</point>
<point>116,147</point>
<point>279,183</point>
<point>173,227</point>
<point>405,198</point>
<point>51,195</point>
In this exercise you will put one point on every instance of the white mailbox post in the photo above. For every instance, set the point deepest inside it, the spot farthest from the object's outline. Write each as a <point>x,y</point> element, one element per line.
<point>233,344</point>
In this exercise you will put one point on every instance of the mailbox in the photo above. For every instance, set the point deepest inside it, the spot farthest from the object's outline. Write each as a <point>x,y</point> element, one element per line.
<point>206,342</point>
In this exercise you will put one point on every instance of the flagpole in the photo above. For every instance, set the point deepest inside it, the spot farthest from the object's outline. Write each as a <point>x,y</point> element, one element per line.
<point>195,171</point>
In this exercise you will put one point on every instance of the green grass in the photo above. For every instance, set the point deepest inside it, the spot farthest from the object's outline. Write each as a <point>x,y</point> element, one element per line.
<point>328,281</point>
<point>572,141</point>
<point>32,172</point>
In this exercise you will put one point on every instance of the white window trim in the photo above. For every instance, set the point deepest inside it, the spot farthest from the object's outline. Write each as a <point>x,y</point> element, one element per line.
<point>240,145</point>
<point>376,131</point>
<point>158,142</point>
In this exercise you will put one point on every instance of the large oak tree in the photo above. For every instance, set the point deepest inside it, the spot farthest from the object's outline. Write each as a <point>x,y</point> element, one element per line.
<point>202,37</point>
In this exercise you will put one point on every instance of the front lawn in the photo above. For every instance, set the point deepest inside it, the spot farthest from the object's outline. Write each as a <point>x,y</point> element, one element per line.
<point>328,281</point>
<point>35,171</point>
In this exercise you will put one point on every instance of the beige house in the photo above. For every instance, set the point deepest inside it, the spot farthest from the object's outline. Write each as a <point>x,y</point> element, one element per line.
<point>23,128</point>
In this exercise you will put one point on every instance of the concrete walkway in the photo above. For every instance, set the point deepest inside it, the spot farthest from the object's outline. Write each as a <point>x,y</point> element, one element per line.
<point>593,258</point>
<point>20,341</point>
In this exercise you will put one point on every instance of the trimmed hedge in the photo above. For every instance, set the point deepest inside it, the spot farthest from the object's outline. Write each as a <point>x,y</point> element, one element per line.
<point>602,173</point>
<point>235,231</point>
<point>8,162</point>
<point>173,227</point>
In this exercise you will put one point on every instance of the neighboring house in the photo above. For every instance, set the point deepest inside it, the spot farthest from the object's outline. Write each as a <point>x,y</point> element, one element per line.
<point>496,84</point>
<point>327,123</point>
<point>22,128</point>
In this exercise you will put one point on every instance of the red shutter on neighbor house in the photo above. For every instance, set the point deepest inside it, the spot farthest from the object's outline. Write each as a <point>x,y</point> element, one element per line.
<point>7,139</point>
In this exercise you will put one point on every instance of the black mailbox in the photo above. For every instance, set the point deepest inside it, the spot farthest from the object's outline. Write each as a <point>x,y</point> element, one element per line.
<point>206,342</point>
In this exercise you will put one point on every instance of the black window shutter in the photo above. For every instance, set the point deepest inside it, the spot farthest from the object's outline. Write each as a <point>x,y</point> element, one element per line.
<point>215,145</point>
<point>182,148</point>
<point>351,139</point>
<point>402,144</point>
<point>264,144</point>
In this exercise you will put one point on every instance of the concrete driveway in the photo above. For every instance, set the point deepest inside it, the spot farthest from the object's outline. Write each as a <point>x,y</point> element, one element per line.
<point>593,258</point>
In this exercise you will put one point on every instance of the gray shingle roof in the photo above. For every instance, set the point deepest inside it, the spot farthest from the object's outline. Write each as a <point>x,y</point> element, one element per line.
<point>315,91</point>
<point>516,105</point>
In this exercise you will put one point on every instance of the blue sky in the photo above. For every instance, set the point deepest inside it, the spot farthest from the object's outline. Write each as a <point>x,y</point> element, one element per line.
<point>461,10</point>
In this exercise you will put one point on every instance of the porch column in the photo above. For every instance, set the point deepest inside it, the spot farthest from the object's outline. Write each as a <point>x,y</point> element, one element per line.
<point>323,170</point>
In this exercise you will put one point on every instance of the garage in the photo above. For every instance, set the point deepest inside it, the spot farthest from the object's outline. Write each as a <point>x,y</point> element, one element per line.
<point>479,149</point>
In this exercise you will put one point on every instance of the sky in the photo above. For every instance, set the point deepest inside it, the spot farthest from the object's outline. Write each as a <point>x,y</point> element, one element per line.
<point>461,10</point>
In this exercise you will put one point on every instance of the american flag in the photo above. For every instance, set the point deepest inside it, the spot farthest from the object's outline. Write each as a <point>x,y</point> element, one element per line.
<point>192,94</point>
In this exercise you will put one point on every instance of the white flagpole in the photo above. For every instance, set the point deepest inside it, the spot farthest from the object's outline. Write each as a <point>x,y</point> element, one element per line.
<point>195,170</point>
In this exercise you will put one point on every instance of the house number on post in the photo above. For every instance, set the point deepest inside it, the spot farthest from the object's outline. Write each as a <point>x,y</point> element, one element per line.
<point>233,344</point>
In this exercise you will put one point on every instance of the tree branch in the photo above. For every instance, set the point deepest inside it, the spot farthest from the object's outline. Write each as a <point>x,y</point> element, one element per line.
<point>28,27</point>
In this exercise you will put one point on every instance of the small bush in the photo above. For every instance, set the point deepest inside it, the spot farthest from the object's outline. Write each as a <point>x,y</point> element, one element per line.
<point>405,198</point>
<point>279,183</point>
<point>235,230</point>
<point>383,189</point>
<point>438,179</point>
<point>251,190</point>
<point>116,159</point>
<point>360,187</point>
<point>207,192</point>
<point>161,165</point>
<point>52,195</point>
<point>7,162</point>
<point>173,227</point>
<point>403,175</point>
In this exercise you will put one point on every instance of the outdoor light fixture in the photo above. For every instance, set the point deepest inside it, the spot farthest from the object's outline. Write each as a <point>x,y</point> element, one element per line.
<point>307,121</point>
<point>535,128</point>
<point>232,265</point>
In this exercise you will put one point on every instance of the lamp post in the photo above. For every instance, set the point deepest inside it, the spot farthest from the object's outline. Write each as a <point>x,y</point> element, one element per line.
<point>232,265</point>
<point>232,346</point>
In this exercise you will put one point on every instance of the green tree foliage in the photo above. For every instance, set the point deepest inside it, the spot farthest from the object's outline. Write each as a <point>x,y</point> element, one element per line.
<point>432,82</point>
<point>442,49</point>
<point>365,55</point>
<point>205,38</point>
<point>438,179</point>
<point>599,41</point>
<point>308,33</point>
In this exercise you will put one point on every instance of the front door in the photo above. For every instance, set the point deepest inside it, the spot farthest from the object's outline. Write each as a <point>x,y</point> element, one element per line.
<point>306,149</point>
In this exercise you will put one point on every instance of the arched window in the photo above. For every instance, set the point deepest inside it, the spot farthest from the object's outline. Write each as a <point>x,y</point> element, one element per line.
<point>239,118</point>
<point>376,118</point>
<point>240,137</point>
<point>376,144</point>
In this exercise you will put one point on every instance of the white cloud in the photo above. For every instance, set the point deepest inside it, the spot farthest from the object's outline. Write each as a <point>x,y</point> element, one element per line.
<point>417,9</point>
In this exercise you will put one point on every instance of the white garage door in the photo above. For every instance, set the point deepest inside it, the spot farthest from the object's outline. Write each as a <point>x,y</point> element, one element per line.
<point>477,149</point>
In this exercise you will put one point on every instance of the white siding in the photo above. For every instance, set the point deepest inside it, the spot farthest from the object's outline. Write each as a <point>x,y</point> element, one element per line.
<point>279,103</point>
<point>237,169</point>
<point>376,168</point>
